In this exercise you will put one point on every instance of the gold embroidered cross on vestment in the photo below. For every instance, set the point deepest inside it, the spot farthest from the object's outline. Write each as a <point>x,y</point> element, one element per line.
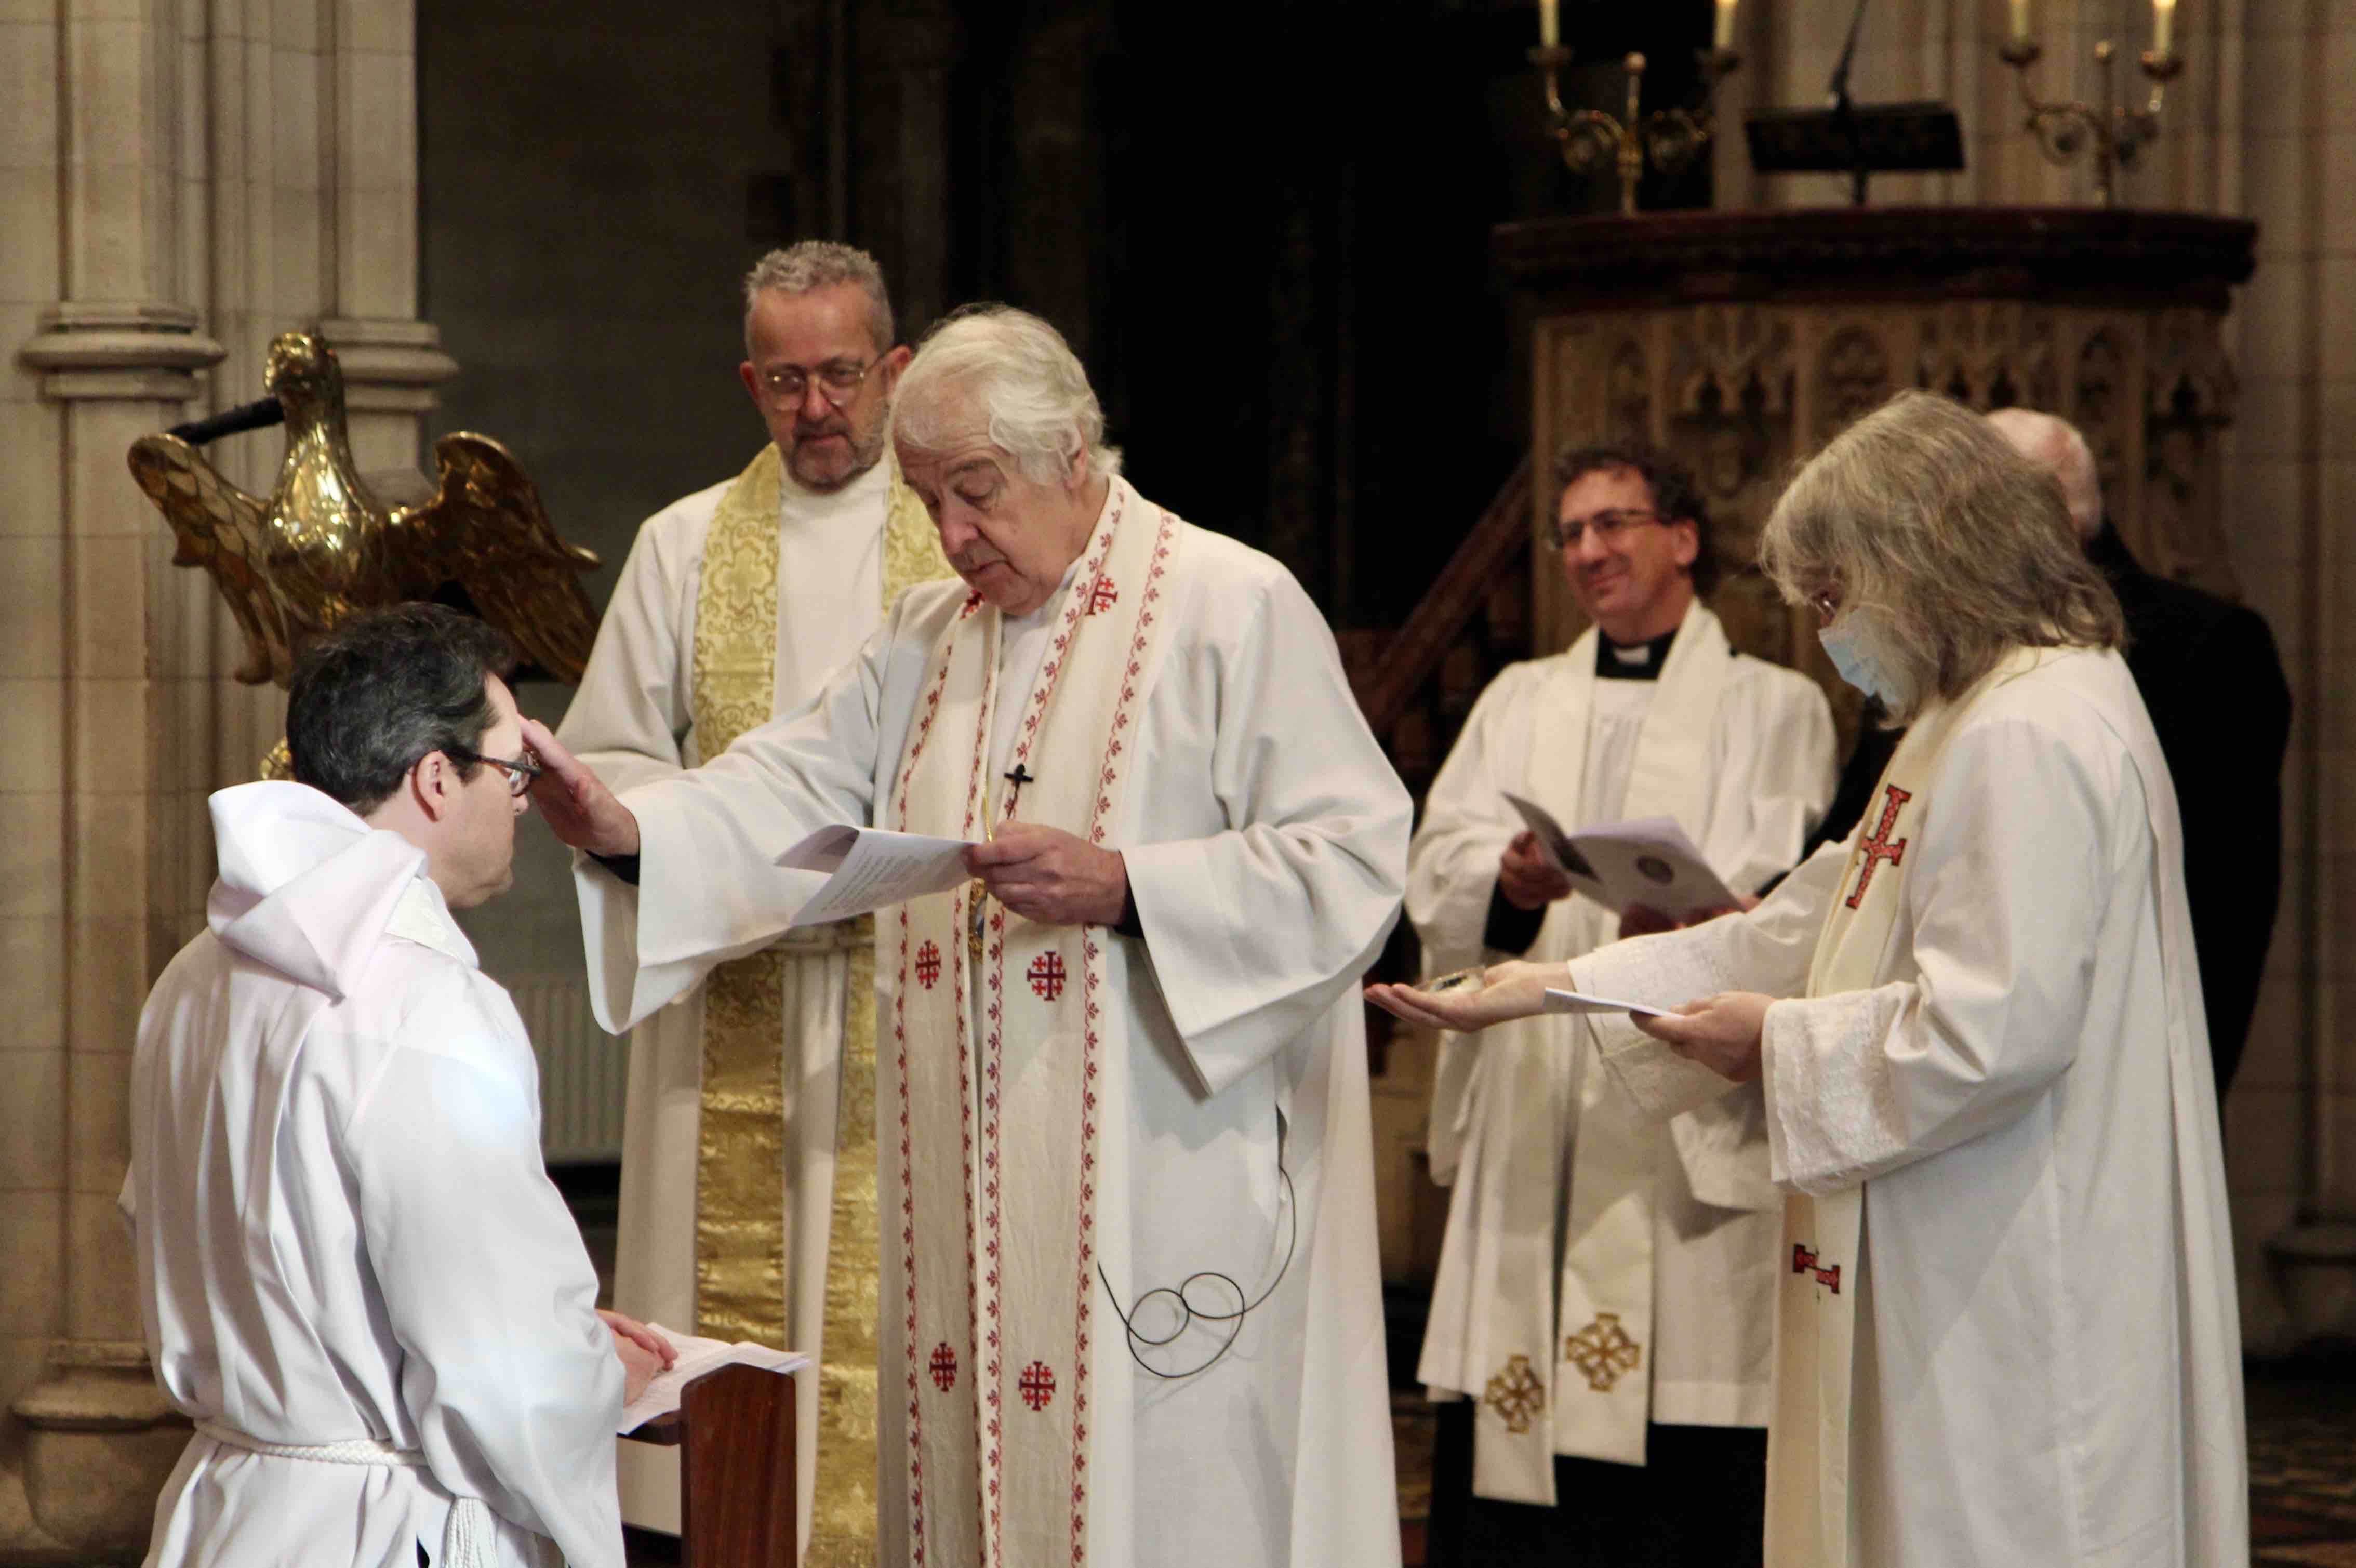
<point>1515,1394</point>
<point>1603,1351</point>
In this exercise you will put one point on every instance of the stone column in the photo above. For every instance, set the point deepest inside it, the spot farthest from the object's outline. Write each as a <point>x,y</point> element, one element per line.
<point>180,179</point>
<point>113,351</point>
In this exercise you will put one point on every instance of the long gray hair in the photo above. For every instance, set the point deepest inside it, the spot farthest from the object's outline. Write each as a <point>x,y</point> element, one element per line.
<point>1922,511</point>
<point>994,371</point>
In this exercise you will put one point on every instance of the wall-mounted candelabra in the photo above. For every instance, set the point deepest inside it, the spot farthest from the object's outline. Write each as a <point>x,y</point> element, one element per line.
<point>1669,137</point>
<point>2112,132</point>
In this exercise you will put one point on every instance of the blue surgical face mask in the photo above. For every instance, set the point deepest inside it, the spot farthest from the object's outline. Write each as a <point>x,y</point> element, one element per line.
<point>1861,651</point>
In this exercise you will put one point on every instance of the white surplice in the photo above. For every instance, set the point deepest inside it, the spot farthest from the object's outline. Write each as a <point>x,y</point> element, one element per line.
<point>1265,840</point>
<point>2046,1365</point>
<point>633,722</point>
<point>342,1225</point>
<point>1739,752</point>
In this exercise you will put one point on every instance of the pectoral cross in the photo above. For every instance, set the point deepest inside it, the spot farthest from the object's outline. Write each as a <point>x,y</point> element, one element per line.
<point>976,917</point>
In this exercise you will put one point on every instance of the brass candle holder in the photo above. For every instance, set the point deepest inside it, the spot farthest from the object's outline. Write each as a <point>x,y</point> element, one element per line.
<point>1669,137</point>
<point>2112,131</point>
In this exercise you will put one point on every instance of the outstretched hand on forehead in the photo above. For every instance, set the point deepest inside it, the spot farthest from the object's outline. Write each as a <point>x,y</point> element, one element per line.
<point>1470,999</point>
<point>579,809</point>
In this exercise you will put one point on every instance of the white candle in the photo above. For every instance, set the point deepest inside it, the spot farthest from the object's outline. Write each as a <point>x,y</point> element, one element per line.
<point>2163,25</point>
<point>1550,31</point>
<point>2019,21</point>
<point>1726,23</point>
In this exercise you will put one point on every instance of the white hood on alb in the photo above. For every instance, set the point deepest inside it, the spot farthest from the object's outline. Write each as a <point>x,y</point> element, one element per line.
<point>308,889</point>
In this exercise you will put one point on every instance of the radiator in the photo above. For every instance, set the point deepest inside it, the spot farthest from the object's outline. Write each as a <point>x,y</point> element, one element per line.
<point>584,1071</point>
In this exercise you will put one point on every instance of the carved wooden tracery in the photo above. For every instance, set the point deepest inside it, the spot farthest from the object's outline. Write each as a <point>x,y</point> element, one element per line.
<point>1769,332</point>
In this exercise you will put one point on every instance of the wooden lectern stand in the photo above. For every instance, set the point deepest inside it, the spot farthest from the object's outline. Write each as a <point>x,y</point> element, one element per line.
<point>734,1434</point>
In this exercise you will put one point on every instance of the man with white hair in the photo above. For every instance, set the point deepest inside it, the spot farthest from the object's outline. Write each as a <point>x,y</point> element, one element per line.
<point>2006,1329</point>
<point>1130,1304</point>
<point>2209,673</point>
<point>747,1202</point>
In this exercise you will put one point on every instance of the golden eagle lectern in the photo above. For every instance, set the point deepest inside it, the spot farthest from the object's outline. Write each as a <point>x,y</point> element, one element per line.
<point>323,546</point>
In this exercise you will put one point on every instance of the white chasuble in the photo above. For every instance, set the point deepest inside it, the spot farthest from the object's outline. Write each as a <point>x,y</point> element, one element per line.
<point>1546,1314</point>
<point>2007,1327</point>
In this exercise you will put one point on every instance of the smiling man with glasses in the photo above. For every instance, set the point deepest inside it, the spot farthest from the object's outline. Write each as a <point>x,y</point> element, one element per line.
<point>1604,1296</point>
<point>735,605</point>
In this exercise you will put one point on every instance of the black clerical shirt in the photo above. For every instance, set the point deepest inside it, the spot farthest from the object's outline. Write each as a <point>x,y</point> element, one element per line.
<point>1510,927</point>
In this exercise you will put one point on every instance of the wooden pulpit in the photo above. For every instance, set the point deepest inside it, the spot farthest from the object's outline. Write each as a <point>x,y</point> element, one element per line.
<point>734,1434</point>
<point>1741,341</point>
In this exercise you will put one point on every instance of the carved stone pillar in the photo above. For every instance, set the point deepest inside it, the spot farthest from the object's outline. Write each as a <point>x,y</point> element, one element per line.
<point>197,174</point>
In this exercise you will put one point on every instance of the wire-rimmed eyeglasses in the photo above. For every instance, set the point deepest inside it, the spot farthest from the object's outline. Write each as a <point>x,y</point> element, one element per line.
<point>520,770</point>
<point>1607,526</point>
<point>837,381</point>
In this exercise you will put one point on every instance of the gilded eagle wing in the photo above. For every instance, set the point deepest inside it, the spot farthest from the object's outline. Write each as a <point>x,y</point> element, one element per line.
<point>486,530</point>
<point>224,530</point>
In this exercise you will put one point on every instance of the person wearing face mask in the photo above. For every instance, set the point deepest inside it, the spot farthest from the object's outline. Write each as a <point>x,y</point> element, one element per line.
<point>2007,1329</point>
<point>1130,1304</point>
<point>354,1275</point>
<point>1580,1236</point>
<point>747,1203</point>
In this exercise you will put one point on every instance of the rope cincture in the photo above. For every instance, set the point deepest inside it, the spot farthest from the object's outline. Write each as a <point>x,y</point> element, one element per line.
<point>467,1539</point>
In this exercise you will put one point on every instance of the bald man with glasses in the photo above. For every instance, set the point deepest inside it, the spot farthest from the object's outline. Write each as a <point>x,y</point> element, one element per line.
<point>1601,1325</point>
<point>735,605</point>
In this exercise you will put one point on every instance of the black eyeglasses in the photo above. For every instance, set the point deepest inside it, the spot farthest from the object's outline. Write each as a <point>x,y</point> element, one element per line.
<point>520,770</point>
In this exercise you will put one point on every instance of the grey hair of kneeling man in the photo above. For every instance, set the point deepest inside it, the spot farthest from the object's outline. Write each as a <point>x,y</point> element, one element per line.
<point>1926,520</point>
<point>1002,373</point>
<point>385,688</point>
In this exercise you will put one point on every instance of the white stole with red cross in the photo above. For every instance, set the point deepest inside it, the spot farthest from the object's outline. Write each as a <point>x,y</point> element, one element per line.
<point>994,1068</point>
<point>1809,1520</point>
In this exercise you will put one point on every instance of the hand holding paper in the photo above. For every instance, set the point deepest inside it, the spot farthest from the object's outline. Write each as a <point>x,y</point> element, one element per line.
<point>872,867</point>
<point>1648,863</point>
<point>1722,1034</point>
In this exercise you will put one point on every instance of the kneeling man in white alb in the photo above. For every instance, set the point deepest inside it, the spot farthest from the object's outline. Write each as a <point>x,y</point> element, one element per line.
<point>356,1276</point>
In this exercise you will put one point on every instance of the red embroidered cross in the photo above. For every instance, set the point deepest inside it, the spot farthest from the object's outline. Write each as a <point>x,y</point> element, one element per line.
<point>944,1366</point>
<point>1803,1261</point>
<point>928,964</point>
<point>1046,974</point>
<point>1038,1385</point>
<point>1103,596</point>
<point>1877,846</point>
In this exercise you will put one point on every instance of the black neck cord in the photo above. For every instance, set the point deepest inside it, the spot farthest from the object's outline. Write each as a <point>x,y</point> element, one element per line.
<point>1187,1312</point>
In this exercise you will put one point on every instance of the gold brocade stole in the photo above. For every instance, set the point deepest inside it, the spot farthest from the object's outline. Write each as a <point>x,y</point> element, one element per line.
<point>739,1180</point>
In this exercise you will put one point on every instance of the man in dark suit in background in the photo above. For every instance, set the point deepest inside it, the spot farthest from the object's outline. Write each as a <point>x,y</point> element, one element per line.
<point>2214,683</point>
